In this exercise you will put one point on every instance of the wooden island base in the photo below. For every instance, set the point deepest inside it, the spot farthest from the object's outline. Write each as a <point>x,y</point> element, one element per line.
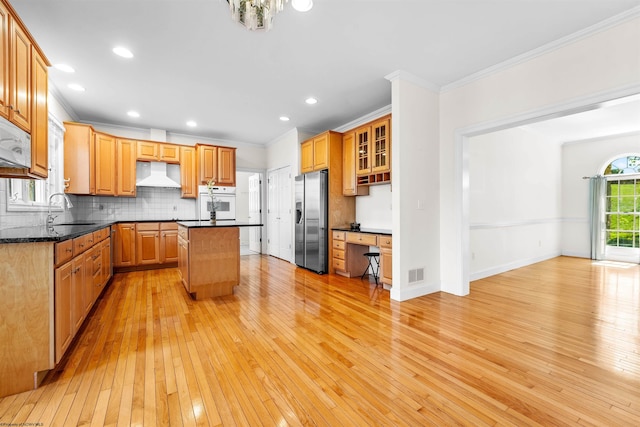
<point>209,260</point>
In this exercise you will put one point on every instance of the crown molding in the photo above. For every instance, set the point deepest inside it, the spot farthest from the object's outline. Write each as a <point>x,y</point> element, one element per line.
<point>544,49</point>
<point>412,78</point>
<point>53,90</point>
<point>364,119</point>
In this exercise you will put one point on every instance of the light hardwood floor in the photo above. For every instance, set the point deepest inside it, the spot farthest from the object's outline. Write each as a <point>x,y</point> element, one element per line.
<point>555,343</point>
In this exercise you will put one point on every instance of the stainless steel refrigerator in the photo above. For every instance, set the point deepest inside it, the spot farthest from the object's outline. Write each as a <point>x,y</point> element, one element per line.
<point>312,234</point>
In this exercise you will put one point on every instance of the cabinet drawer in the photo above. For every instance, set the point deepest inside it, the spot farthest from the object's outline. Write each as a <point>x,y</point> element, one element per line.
<point>339,264</point>
<point>183,232</point>
<point>148,226</point>
<point>362,239</point>
<point>338,235</point>
<point>339,244</point>
<point>338,253</point>
<point>168,226</point>
<point>384,241</point>
<point>100,235</point>
<point>82,243</point>
<point>64,251</point>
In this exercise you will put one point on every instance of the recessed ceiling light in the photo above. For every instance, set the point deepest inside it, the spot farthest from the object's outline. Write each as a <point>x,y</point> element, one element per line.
<point>302,5</point>
<point>284,118</point>
<point>64,67</point>
<point>311,100</point>
<point>191,124</point>
<point>133,114</point>
<point>76,87</point>
<point>123,52</point>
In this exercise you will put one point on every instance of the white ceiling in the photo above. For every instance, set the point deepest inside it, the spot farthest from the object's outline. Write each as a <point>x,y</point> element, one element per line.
<point>192,62</point>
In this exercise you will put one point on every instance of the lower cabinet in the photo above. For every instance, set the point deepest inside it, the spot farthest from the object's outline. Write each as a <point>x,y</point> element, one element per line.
<point>168,242</point>
<point>124,245</point>
<point>183,256</point>
<point>385,243</point>
<point>78,283</point>
<point>145,243</point>
<point>148,243</point>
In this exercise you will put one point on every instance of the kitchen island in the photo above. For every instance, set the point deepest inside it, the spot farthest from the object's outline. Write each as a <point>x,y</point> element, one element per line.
<point>209,256</point>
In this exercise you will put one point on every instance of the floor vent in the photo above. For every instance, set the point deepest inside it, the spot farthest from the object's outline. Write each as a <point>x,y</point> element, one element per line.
<point>416,275</point>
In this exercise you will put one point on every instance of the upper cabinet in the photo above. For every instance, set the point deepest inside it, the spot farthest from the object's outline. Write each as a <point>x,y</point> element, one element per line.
<point>373,152</point>
<point>217,164</point>
<point>188,178</point>
<point>158,151</point>
<point>24,90</point>
<point>79,159</point>
<point>316,153</point>
<point>98,163</point>
<point>350,185</point>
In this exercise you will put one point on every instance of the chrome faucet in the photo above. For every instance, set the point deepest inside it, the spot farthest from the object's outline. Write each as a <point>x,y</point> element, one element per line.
<point>50,217</point>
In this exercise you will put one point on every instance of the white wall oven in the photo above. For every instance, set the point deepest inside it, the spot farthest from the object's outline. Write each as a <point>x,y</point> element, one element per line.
<point>225,203</point>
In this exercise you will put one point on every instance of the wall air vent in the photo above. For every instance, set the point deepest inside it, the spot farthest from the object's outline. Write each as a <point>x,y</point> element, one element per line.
<point>416,275</point>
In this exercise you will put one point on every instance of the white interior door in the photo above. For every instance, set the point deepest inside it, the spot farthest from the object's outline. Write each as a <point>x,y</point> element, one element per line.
<point>273,225</point>
<point>255,213</point>
<point>284,214</point>
<point>279,223</point>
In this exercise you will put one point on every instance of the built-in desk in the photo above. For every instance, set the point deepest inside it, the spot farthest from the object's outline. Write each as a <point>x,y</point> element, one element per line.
<point>350,246</point>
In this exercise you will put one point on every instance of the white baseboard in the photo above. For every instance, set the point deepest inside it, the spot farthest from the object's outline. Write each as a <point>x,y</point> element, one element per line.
<point>510,266</point>
<point>414,291</point>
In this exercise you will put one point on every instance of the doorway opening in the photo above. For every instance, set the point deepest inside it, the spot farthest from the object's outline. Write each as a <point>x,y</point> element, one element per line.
<point>249,209</point>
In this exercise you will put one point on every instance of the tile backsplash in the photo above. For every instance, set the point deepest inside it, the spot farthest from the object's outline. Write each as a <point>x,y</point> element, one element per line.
<point>150,203</point>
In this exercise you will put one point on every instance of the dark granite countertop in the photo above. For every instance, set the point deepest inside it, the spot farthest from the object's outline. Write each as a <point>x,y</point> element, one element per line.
<point>219,223</point>
<point>365,230</point>
<point>60,232</point>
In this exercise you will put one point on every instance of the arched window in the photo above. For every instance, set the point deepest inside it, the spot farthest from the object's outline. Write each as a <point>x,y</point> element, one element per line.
<point>623,202</point>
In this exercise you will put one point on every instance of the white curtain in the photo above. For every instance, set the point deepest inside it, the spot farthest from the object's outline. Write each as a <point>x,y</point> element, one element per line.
<point>598,194</point>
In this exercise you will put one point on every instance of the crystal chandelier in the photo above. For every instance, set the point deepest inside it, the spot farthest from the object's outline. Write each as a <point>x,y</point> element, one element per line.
<point>255,14</point>
<point>259,14</point>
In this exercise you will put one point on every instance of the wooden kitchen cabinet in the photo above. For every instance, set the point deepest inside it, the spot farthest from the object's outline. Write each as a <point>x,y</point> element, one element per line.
<point>147,150</point>
<point>79,159</point>
<point>183,256</point>
<point>158,152</point>
<point>226,166</point>
<point>316,153</point>
<point>207,163</point>
<point>350,185</point>
<point>168,242</point>
<point>92,276</point>
<point>62,318</point>
<point>386,243</point>
<point>124,245</point>
<point>188,177</point>
<point>20,76</point>
<point>147,243</point>
<point>105,248</point>
<point>39,116</point>
<point>169,153</point>
<point>306,156</point>
<point>373,152</point>
<point>24,90</point>
<point>217,164</point>
<point>105,161</point>
<point>125,168</point>
<point>78,283</point>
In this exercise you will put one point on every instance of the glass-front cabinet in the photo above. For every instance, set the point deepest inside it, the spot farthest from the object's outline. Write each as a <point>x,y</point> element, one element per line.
<point>374,148</point>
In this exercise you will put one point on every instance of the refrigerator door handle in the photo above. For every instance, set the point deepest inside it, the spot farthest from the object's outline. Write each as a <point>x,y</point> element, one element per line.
<point>298,216</point>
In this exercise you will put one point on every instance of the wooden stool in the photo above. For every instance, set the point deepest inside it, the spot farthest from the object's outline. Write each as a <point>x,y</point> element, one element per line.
<point>372,256</point>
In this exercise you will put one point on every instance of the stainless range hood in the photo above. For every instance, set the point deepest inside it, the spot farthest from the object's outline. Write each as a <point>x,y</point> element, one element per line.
<point>156,174</point>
